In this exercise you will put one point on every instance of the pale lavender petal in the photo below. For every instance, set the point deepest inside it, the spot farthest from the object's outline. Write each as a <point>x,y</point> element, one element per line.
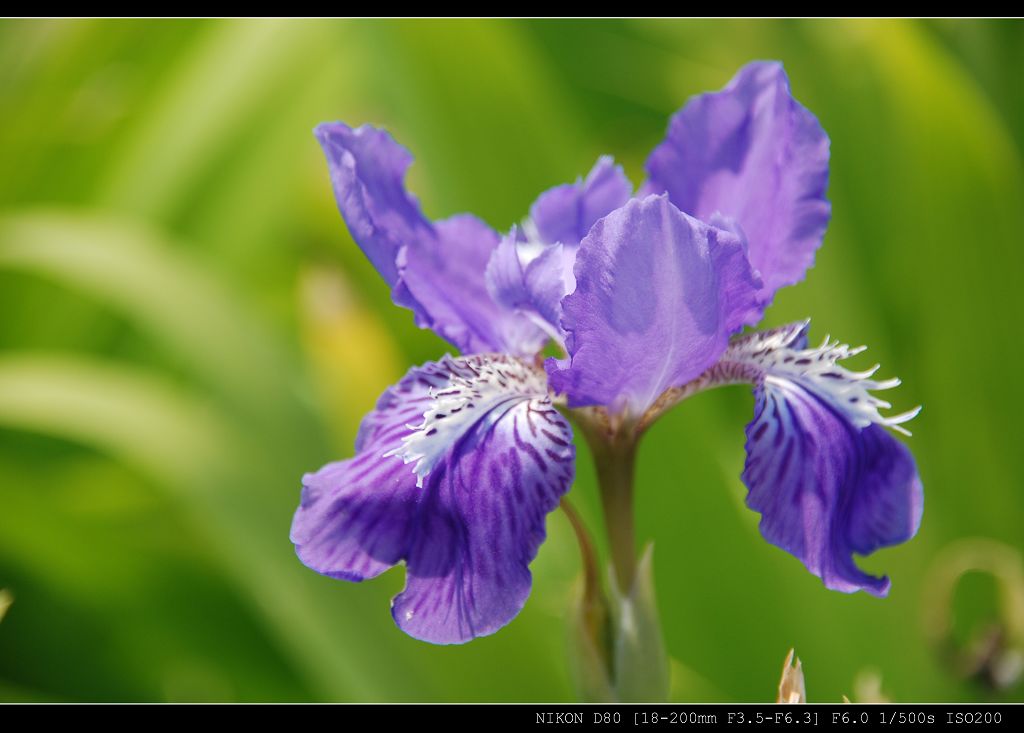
<point>826,476</point>
<point>436,270</point>
<point>532,279</point>
<point>753,154</point>
<point>658,294</point>
<point>565,213</point>
<point>548,278</point>
<point>506,274</point>
<point>492,459</point>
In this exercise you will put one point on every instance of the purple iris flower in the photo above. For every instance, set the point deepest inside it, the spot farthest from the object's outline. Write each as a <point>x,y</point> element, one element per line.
<point>459,464</point>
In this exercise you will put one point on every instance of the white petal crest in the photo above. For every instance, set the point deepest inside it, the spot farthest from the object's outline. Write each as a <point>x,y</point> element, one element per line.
<point>480,391</point>
<point>782,356</point>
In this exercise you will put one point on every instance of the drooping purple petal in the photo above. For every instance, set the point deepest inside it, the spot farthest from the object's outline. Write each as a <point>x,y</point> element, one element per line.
<point>492,458</point>
<point>826,489</point>
<point>753,154</point>
<point>491,499</point>
<point>827,478</point>
<point>354,517</point>
<point>564,214</point>
<point>658,293</point>
<point>435,269</point>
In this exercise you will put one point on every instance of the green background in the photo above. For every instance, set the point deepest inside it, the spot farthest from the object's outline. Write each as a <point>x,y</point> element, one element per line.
<point>187,328</point>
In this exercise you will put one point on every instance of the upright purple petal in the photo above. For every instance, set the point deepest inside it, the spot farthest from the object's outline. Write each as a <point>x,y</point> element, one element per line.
<point>492,457</point>
<point>531,279</point>
<point>367,171</point>
<point>532,270</point>
<point>658,293</point>
<point>827,478</point>
<point>564,214</point>
<point>436,270</point>
<point>752,154</point>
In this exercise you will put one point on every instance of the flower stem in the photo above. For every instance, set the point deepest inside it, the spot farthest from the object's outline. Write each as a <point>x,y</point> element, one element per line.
<point>614,450</point>
<point>637,667</point>
<point>615,468</point>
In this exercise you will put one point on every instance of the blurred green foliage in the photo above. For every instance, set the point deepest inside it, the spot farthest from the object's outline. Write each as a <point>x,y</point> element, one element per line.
<point>187,328</point>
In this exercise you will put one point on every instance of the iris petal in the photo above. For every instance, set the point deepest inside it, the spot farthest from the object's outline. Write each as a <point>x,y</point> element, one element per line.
<point>435,269</point>
<point>532,269</point>
<point>827,478</point>
<point>565,213</point>
<point>493,458</point>
<point>658,293</point>
<point>753,154</point>
<point>531,279</point>
<point>367,173</point>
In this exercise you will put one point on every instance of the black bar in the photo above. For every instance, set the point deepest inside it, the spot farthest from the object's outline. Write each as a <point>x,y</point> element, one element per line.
<point>593,717</point>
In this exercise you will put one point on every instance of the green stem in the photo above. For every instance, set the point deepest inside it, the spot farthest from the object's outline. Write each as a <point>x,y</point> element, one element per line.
<point>637,667</point>
<point>615,460</point>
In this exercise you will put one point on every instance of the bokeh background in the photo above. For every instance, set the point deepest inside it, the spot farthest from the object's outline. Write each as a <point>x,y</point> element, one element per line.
<point>187,328</point>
